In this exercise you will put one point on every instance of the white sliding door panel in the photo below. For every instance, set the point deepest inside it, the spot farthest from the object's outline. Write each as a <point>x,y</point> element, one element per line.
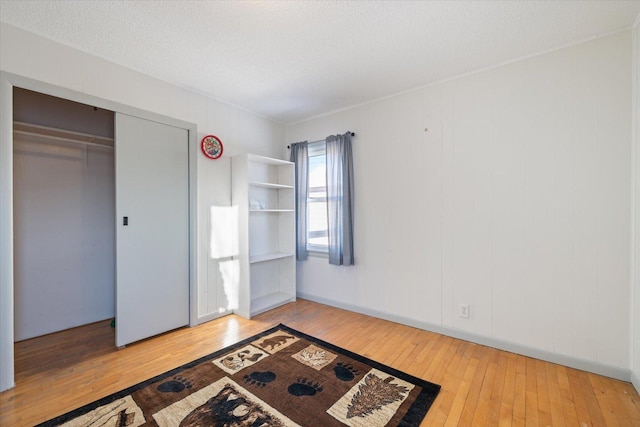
<point>152,251</point>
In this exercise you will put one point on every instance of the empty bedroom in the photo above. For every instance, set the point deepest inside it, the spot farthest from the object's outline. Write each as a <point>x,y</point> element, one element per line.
<point>319,213</point>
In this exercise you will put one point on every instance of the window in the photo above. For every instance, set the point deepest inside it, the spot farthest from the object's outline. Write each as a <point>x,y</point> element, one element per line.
<point>317,235</point>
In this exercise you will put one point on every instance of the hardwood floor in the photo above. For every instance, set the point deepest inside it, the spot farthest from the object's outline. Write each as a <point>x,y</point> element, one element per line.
<point>480,385</point>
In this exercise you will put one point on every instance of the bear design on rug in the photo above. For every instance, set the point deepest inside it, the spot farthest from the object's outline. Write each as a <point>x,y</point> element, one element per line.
<point>230,408</point>
<point>274,342</point>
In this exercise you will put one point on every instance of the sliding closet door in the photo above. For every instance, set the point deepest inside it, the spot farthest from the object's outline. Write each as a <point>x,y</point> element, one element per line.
<point>152,237</point>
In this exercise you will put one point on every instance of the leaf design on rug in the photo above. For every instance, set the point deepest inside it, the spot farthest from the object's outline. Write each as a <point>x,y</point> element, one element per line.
<point>313,358</point>
<point>373,394</point>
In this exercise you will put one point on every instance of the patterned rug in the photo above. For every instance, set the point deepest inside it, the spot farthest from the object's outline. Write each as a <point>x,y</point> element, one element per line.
<point>280,377</point>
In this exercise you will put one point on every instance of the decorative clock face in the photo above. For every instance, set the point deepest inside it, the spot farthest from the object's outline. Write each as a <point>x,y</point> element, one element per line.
<point>212,146</point>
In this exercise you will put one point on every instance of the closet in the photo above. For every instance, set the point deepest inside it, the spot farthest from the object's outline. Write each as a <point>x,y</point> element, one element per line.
<point>115,238</point>
<point>101,219</point>
<point>64,236</point>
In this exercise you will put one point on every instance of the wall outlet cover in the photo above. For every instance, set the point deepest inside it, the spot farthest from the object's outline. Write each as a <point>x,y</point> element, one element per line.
<point>463,310</point>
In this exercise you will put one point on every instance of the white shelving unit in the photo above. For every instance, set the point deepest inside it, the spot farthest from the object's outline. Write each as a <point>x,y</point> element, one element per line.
<point>263,191</point>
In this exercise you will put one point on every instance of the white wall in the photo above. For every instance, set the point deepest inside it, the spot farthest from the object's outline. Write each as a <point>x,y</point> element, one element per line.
<point>515,201</point>
<point>635,302</point>
<point>40,59</point>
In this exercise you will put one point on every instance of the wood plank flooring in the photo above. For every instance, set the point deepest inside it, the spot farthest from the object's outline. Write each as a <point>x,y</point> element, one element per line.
<point>480,385</point>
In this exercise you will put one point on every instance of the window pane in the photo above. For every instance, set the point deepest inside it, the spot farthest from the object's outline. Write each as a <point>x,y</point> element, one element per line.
<point>317,194</point>
<point>317,171</point>
<point>317,216</point>
<point>319,241</point>
<point>317,236</point>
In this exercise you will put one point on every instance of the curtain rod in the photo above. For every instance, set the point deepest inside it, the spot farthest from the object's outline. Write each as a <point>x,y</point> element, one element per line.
<point>352,134</point>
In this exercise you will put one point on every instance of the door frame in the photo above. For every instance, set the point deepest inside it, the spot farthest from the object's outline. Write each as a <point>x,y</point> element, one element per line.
<point>7,82</point>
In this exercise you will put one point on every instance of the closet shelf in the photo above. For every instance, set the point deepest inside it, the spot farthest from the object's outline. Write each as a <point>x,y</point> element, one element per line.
<point>55,134</point>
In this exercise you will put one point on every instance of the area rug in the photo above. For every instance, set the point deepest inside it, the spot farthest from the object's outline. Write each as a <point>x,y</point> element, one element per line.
<point>280,377</point>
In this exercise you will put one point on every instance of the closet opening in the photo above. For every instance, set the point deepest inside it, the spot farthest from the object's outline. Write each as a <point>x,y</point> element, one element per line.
<point>64,214</point>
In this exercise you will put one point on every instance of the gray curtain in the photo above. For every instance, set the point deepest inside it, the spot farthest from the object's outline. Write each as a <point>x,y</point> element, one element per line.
<point>300,158</point>
<point>340,199</point>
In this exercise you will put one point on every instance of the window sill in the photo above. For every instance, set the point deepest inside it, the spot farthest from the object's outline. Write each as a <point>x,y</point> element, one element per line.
<point>317,254</point>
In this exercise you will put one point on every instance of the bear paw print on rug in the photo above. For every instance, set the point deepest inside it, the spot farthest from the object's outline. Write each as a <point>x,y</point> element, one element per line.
<point>175,385</point>
<point>303,387</point>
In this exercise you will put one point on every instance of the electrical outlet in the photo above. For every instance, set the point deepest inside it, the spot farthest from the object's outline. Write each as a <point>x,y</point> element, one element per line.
<point>463,310</point>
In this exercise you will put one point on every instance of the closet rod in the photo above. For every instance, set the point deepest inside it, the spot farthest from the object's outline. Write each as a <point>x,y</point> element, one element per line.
<point>352,134</point>
<point>40,131</point>
<point>62,139</point>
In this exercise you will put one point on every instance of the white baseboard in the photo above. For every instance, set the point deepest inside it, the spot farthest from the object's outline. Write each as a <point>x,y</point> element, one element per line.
<point>635,380</point>
<point>209,317</point>
<point>7,386</point>
<point>569,361</point>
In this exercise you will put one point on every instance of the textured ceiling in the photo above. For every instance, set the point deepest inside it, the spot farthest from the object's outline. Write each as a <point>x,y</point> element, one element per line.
<point>293,60</point>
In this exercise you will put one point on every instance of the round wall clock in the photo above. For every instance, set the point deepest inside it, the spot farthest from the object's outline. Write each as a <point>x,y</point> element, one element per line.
<point>211,146</point>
